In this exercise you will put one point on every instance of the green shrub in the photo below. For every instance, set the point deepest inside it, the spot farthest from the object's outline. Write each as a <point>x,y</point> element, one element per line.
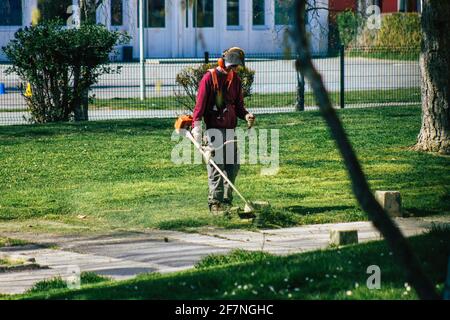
<point>349,24</point>
<point>60,64</point>
<point>189,78</point>
<point>400,30</point>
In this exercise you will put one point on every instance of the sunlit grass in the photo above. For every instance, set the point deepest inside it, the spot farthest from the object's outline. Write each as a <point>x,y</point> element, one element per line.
<point>119,174</point>
<point>269,100</point>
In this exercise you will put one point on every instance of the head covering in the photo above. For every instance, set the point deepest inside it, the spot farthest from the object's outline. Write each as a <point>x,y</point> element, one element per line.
<point>234,56</point>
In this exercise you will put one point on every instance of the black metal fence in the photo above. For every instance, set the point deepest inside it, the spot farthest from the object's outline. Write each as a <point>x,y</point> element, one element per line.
<point>355,77</point>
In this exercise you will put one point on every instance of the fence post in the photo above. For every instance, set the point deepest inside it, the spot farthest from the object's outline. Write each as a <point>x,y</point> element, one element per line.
<point>141,50</point>
<point>300,106</point>
<point>342,72</point>
<point>206,57</point>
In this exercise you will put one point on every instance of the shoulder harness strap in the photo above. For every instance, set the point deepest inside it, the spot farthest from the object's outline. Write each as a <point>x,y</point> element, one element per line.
<point>214,79</point>
<point>230,77</point>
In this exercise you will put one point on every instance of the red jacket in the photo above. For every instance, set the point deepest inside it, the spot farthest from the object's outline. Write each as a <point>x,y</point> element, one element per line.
<point>232,108</point>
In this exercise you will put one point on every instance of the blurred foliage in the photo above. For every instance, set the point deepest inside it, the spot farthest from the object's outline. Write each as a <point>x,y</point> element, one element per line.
<point>349,24</point>
<point>398,30</point>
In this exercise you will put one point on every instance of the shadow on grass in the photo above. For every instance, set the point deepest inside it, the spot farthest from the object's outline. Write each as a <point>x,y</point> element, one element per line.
<point>420,212</point>
<point>125,126</point>
<point>316,210</point>
<point>442,207</point>
<point>181,224</point>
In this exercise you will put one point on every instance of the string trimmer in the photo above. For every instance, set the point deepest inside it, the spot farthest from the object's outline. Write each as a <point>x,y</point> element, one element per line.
<point>182,126</point>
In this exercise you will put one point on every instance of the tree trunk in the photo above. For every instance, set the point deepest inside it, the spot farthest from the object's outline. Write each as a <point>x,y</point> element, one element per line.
<point>85,105</point>
<point>88,11</point>
<point>76,99</point>
<point>380,219</point>
<point>300,106</point>
<point>435,67</point>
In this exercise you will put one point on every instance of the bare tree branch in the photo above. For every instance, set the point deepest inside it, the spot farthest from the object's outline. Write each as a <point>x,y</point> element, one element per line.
<point>377,215</point>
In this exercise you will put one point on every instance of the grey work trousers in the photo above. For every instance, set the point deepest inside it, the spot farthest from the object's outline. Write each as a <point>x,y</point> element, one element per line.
<point>227,159</point>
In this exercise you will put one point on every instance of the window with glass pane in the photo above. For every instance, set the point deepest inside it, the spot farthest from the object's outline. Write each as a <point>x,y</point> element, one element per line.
<point>402,6</point>
<point>259,17</point>
<point>186,11</point>
<point>204,13</point>
<point>11,12</point>
<point>233,12</point>
<point>116,13</point>
<point>54,9</point>
<point>283,12</point>
<point>155,14</point>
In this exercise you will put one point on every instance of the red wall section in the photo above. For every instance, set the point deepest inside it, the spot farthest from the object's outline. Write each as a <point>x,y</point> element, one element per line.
<point>388,6</point>
<point>341,5</point>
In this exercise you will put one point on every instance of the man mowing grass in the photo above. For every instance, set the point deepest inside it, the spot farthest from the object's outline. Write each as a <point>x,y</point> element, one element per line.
<point>219,103</point>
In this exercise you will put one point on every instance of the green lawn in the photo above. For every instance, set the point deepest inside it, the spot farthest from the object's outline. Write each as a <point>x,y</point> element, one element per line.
<point>385,54</point>
<point>119,175</point>
<point>270,100</point>
<point>328,274</point>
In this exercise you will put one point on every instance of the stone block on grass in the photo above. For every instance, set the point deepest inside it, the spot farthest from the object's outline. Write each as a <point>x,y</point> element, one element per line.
<point>390,201</point>
<point>343,237</point>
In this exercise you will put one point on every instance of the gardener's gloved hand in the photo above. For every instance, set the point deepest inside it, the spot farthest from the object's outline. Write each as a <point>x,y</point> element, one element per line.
<point>250,118</point>
<point>197,133</point>
<point>208,153</point>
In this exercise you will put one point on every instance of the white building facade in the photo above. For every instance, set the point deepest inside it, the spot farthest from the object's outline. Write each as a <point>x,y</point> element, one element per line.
<point>186,28</point>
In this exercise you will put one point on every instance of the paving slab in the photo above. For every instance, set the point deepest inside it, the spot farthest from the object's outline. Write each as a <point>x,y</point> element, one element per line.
<point>123,255</point>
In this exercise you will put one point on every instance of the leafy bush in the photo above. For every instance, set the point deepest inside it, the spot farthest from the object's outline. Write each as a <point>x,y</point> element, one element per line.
<point>400,30</point>
<point>60,64</point>
<point>397,30</point>
<point>349,24</point>
<point>189,78</point>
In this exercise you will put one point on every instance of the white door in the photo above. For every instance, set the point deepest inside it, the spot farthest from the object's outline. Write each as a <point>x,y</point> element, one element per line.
<point>200,31</point>
<point>158,28</point>
<point>187,31</point>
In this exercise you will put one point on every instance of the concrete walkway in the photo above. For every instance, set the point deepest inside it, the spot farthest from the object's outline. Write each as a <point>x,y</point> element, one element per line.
<point>125,255</point>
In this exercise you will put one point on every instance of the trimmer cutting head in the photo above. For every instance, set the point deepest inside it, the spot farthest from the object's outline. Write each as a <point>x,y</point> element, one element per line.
<point>251,209</point>
<point>248,208</point>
